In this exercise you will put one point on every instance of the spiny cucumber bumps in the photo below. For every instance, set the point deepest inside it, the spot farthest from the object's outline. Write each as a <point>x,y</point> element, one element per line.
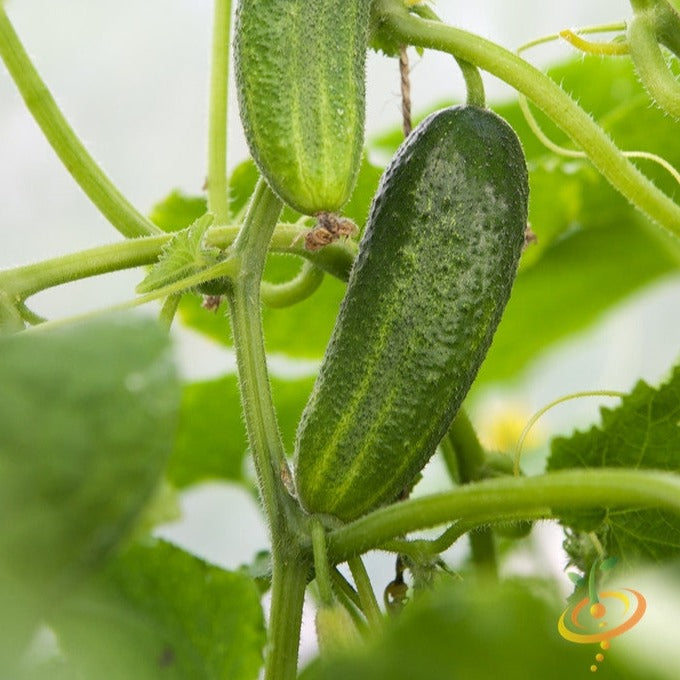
<point>300,72</point>
<point>433,274</point>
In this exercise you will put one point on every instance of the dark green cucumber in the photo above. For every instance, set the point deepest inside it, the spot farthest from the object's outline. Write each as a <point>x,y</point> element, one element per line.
<point>300,72</point>
<point>433,275</point>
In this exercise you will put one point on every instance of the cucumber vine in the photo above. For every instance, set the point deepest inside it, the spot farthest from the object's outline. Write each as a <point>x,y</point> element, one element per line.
<point>224,253</point>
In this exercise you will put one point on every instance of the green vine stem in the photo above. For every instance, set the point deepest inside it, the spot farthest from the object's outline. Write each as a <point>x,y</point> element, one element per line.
<point>507,497</point>
<point>290,564</point>
<point>248,253</point>
<point>21,282</point>
<point>666,21</point>
<point>70,150</point>
<point>469,459</point>
<point>278,295</point>
<point>289,581</point>
<point>343,588</point>
<point>369,605</point>
<point>221,270</point>
<point>473,83</point>
<point>393,17</point>
<point>651,66</point>
<point>423,549</point>
<point>218,187</point>
<point>322,569</point>
<point>169,309</point>
<point>471,75</point>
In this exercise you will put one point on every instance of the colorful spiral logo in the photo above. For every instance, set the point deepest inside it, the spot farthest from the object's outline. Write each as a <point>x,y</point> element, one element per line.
<point>599,619</point>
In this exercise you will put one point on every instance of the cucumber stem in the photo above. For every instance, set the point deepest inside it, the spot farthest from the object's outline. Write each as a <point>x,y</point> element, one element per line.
<point>473,79</point>
<point>511,497</point>
<point>278,295</point>
<point>69,149</point>
<point>322,569</point>
<point>651,66</point>
<point>469,456</point>
<point>393,17</point>
<point>21,282</point>
<point>218,187</point>
<point>249,252</point>
<point>369,605</point>
<point>290,565</point>
<point>473,83</point>
<point>169,309</point>
<point>289,582</point>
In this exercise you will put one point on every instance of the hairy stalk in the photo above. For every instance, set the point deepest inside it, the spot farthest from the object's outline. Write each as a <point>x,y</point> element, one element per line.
<point>473,83</point>
<point>224,269</point>
<point>26,280</point>
<point>342,587</point>
<point>169,309</point>
<point>369,604</point>
<point>218,187</point>
<point>650,64</point>
<point>21,282</point>
<point>296,290</point>
<point>249,252</point>
<point>470,457</point>
<point>70,150</point>
<point>471,75</point>
<point>291,567</point>
<point>289,580</point>
<point>322,569</point>
<point>422,548</point>
<point>508,497</point>
<point>393,17</point>
<point>571,153</point>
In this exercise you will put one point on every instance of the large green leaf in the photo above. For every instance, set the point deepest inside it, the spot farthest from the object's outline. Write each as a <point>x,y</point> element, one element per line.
<point>86,424</point>
<point>160,613</point>
<point>643,432</point>
<point>467,631</point>
<point>211,441</point>
<point>569,288</point>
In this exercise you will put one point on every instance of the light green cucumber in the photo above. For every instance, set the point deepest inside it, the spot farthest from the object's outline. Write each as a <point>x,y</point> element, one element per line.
<point>433,275</point>
<point>300,72</point>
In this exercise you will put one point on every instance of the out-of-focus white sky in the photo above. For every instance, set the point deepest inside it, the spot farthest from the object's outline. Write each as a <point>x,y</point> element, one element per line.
<point>132,78</point>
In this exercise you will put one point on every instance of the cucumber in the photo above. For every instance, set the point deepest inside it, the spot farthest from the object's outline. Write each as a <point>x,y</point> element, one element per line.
<point>426,293</point>
<point>300,73</point>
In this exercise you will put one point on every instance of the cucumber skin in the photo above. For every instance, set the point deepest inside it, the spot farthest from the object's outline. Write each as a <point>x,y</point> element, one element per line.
<point>300,73</point>
<point>426,293</point>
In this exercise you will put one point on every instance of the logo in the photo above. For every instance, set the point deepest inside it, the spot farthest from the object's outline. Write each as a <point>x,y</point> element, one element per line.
<point>600,616</point>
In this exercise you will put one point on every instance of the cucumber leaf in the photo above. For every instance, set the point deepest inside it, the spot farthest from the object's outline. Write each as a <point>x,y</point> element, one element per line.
<point>474,631</point>
<point>183,256</point>
<point>148,618</point>
<point>643,432</point>
<point>87,423</point>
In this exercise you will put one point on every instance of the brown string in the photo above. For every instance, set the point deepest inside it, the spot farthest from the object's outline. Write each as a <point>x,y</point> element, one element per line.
<point>405,91</point>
